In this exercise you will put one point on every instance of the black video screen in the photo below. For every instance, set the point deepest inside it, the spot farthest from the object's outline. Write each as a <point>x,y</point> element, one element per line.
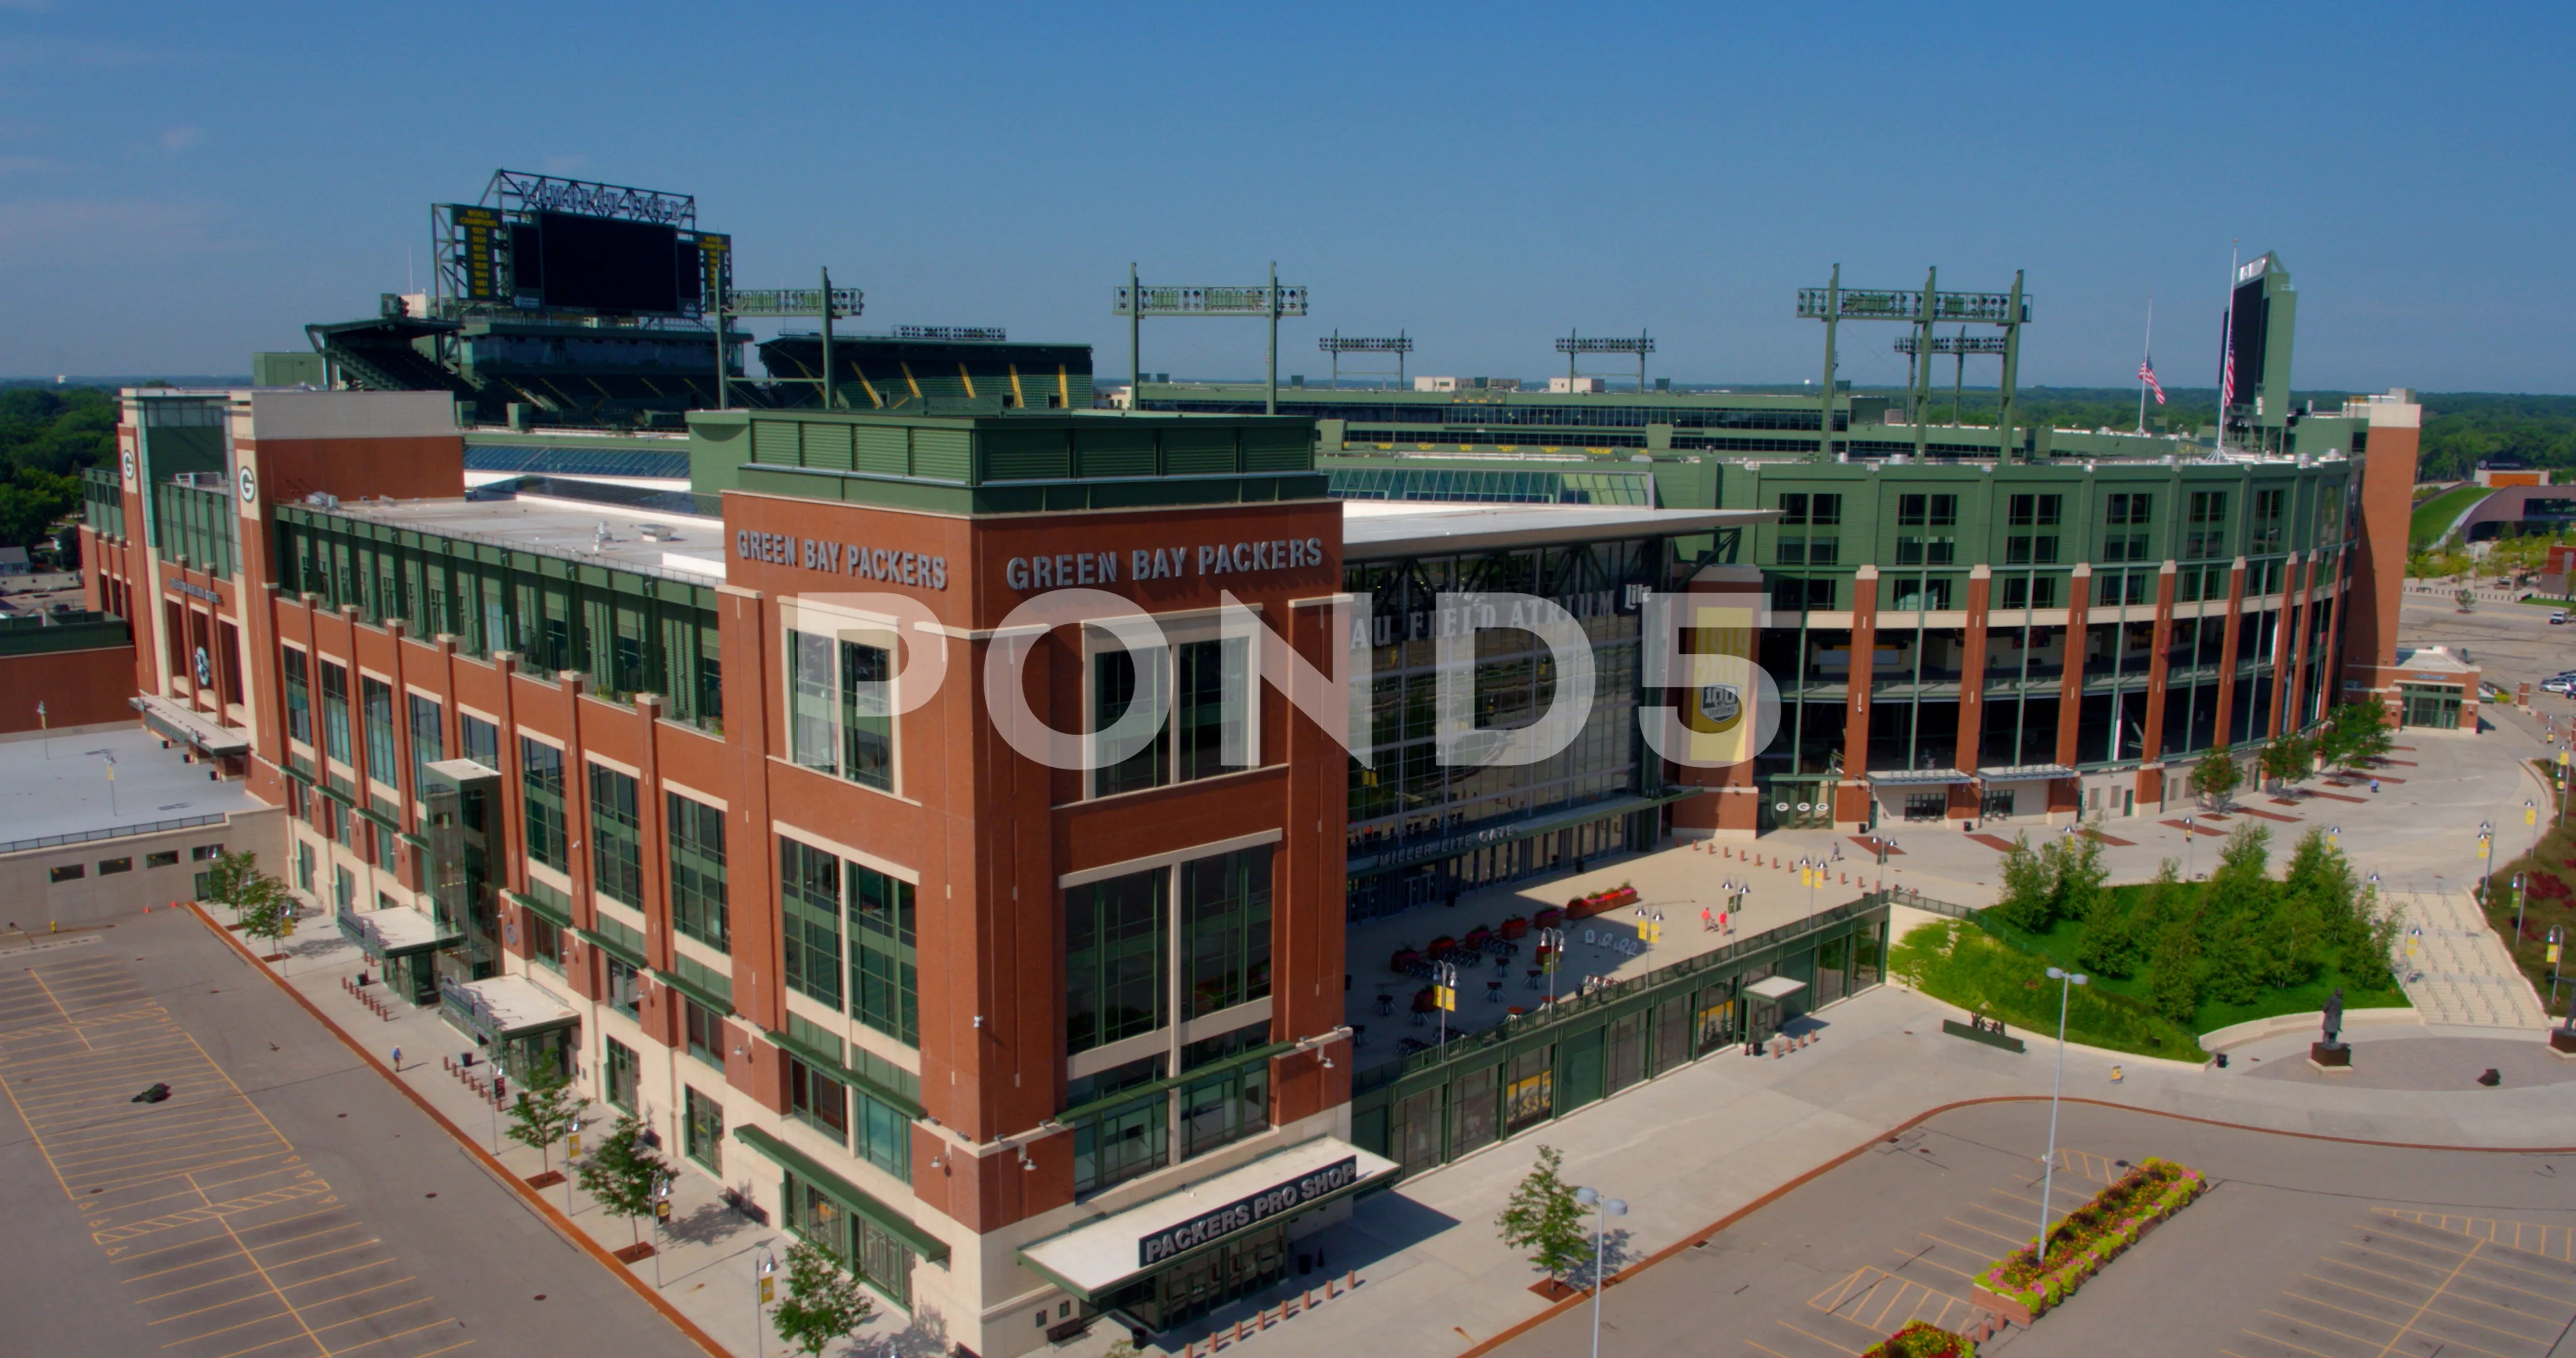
<point>2253,324</point>
<point>595,264</point>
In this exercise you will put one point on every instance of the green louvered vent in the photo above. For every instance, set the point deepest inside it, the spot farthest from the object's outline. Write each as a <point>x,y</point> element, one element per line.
<point>828,445</point>
<point>1277,450</point>
<point>943,454</point>
<point>774,441</point>
<point>883,450</point>
<point>1114,452</point>
<point>1033,455</point>
<point>1194,452</point>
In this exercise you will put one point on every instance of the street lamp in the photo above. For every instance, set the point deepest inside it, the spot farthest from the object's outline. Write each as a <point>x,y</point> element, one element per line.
<point>2066,981</point>
<point>2188,835</point>
<point>764,1264</point>
<point>1603,1210</point>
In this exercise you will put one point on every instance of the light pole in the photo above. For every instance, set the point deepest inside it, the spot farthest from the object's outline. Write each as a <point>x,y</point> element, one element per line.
<point>2066,981</point>
<point>1444,996</point>
<point>2486,861</point>
<point>763,1265</point>
<point>1551,944</point>
<point>2188,835</point>
<point>1603,1209</point>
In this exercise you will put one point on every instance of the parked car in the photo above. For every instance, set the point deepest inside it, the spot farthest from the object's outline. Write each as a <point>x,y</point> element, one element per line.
<point>2558,617</point>
<point>2560,684</point>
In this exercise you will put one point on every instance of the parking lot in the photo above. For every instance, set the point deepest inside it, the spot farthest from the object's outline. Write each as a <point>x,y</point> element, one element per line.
<point>2302,1249</point>
<point>280,1200</point>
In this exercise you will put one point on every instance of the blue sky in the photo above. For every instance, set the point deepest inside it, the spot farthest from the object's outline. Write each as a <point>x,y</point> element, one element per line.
<point>182,184</point>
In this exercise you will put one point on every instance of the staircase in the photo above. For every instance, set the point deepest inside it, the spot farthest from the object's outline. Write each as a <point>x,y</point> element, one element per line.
<point>2459,972</point>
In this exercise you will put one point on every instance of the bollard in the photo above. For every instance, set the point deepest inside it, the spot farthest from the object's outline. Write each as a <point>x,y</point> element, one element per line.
<point>1351,1280</point>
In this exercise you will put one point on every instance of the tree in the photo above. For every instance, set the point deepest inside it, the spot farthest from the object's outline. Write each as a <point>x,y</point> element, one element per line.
<point>264,906</point>
<point>2355,734</point>
<point>2173,971</point>
<point>624,1175</point>
<point>1543,1218</point>
<point>822,1305</point>
<point>547,1111</point>
<point>2286,758</point>
<point>2215,777</point>
<point>2029,887</point>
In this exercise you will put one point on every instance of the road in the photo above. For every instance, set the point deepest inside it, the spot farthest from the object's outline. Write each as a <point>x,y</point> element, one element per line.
<point>283,1200</point>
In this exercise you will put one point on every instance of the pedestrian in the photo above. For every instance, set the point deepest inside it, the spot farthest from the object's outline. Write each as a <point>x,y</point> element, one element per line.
<point>397,1060</point>
<point>1707,920</point>
<point>2374,787</point>
<point>1721,921</point>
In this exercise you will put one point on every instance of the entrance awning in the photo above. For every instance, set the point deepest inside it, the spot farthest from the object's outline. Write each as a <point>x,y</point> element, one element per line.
<point>1775,988</point>
<point>1093,1260</point>
<point>1917,777</point>
<point>499,1007</point>
<point>188,727</point>
<point>2025,773</point>
<point>395,932</point>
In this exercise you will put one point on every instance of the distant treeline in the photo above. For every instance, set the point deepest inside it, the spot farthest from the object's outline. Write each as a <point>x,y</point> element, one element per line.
<point>47,435</point>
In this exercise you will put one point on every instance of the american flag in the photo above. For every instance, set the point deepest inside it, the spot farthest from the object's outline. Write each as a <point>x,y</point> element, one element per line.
<point>2147,374</point>
<point>2227,374</point>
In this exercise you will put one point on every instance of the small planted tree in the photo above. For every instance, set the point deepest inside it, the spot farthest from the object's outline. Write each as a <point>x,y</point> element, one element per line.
<point>624,1174</point>
<point>265,907</point>
<point>2214,779</point>
<point>226,880</point>
<point>547,1111</point>
<point>2286,759</point>
<point>2030,887</point>
<point>823,1304</point>
<point>1543,1218</point>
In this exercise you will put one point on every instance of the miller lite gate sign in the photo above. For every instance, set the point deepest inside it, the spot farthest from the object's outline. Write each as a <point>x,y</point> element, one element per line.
<point>1245,1213</point>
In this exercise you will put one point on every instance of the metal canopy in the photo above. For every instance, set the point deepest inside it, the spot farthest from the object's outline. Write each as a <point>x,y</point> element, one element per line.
<point>181,724</point>
<point>2024,773</point>
<point>1775,988</point>
<point>1918,777</point>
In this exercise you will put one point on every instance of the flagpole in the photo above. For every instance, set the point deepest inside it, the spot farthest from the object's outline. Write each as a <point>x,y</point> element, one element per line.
<point>2145,357</point>
<point>2227,350</point>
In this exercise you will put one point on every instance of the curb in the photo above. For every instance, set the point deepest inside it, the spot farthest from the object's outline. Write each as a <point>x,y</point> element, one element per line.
<point>1702,1235</point>
<point>552,1215</point>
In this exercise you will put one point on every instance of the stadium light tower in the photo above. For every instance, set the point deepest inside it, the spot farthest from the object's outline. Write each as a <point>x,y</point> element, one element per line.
<point>1574,346</point>
<point>1136,302</point>
<point>1338,344</point>
<point>1922,309</point>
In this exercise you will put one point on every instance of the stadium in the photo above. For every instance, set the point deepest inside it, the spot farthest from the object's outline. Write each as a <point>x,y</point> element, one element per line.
<point>585,663</point>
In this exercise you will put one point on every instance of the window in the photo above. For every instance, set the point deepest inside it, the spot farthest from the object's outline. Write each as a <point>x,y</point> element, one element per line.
<point>1908,596</point>
<point>2034,511</point>
<point>622,1067</point>
<point>1114,964</point>
<point>1921,551</point>
<point>478,740</point>
<point>428,743</point>
<point>541,779</point>
<point>2206,524</point>
<point>704,1127</point>
<point>68,872</point>
<point>166,859</point>
<point>2030,549</point>
<point>1927,511</point>
<point>818,1100</point>
<point>840,708</point>
<point>1795,596</point>
<point>616,843</point>
<point>381,841</point>
<point>299,695</point>
<point>1226,1107</point>
<point>376,704</point>
<point>2124,546</point>
<point>1121,1143</point>
<point>205,853</point>
<point>1808,551</point>
<point>304,866</point>
<point>2023,591</point>
<point>344,888</point>
<point>1798,507</point>
<point>695,835</point>
<point>1204,731</point>
<point>2128,508</point>
<point>704,1032</point>
<point>1530,1096</point>
<point>335,712</point>
<point>625,991</point>
<point>2124,587</point>
<point>545,941</point>
<point>1225,917</point>
<point>2270,508</point>
<point>884,975</point>
<point>809,889</point>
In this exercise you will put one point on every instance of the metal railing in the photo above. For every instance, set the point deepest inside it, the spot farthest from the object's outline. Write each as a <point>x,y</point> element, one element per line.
<point>1570,1007</point>
<point>112,832</point>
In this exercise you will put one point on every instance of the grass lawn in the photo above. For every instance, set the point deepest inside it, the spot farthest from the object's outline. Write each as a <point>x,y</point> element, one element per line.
<point>2549,902</point>
<point>2434,515</point>
<point>2061,943</point>
<point>1956,961</point>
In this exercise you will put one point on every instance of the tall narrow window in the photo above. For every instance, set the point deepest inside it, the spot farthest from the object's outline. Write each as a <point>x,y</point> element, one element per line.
<point>299,695</point>
<point>335,711</point>
<point>616,842</point>
<point>1208,707</point>
<point>809,891</point>
<point>1115,954</point>
<point>1121,680</point>
<point>478,740</point>
<point>1225,945</point>
<point>811,693</point>
<point>428,743</point>
<point>884,968</point>
<point>840,710</point>
<point>376,701</point>
<point>867,720</point>
<point>697,840</point>
<point>541,779</point>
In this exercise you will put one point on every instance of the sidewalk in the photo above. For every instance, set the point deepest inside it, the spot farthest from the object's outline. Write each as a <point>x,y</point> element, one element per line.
<point>705,1267</point>
<point>1711,1139</point>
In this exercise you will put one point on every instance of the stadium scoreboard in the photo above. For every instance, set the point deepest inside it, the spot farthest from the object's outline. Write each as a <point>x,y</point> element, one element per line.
<point>556,245</point>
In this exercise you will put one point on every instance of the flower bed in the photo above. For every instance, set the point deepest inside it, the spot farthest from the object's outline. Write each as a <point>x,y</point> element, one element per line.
<point>1923,1339</point>
<point>2020,1288</point>
<point>1601,902</point>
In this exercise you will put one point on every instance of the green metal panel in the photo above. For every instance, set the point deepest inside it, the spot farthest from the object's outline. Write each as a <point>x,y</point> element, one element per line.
<point>1276,450</point>
<point>944,454</point>
<point>1199,452</point>
<point>827,445</point>
<point>1027,455</point>
<point>1117,450</point>
<point>775,442</point>
<point>1578,1069</point>
<point>884,449</point>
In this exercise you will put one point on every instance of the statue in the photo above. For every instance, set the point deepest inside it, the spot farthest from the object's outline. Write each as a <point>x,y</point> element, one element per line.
<point>2334,1016</point>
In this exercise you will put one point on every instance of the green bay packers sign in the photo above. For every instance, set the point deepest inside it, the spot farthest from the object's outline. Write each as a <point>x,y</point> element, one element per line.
<point>1245,1213</point>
